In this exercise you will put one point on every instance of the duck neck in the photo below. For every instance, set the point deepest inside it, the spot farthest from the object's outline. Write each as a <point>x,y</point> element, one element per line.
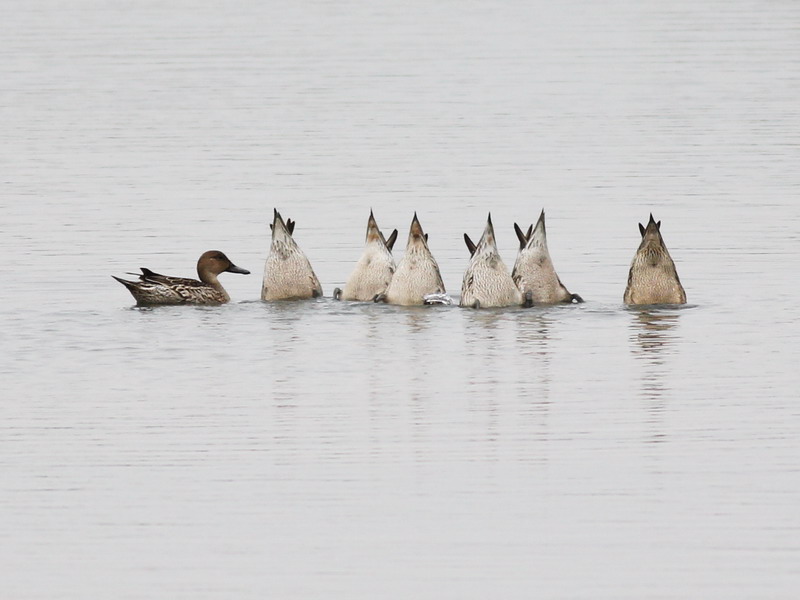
<point>210,278</point>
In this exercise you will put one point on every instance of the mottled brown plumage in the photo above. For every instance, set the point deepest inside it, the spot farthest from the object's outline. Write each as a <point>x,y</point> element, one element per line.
<point>534,272</point>
<point>487,282</point>
<point>375,268</point>
<point>417,274</point>
<point>155,289</point>
<point>287,273</point>
<point>653,278</point>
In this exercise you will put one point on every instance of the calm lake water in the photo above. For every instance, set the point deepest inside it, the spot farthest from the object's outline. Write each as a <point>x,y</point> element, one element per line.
<point>335,450</point>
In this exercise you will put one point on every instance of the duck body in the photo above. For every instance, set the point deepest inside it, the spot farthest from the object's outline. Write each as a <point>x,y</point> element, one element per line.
<point>534,273</point>
<point>287,273</point>
<point>652,278</point>
<point>375,268</point>
<point>417,273</point>
<point>153,289</point>
<point>487,282</point>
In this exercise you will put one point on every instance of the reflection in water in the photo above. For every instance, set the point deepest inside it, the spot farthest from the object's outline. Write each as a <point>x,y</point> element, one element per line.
<point>418,318</point>
<point>652,337</point>
<point>534,345</point>
<point>653,332</point>
<point>483,344</point>
<point>533,339</point>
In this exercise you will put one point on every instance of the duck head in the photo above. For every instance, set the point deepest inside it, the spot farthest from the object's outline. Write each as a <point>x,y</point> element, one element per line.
<point>214,262</point>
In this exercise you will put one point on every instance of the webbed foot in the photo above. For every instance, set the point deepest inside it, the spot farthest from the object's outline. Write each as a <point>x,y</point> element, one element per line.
<point>528,300</point>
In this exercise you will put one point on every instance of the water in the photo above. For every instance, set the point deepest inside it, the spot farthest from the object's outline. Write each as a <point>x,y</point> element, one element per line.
<point>324,449</point>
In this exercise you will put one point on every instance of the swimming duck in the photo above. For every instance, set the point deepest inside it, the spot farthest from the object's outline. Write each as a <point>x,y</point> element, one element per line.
<point>653,278</point>
<point>487,282</point>
<point>153,289</point>
<point>287,273</point>
<point>534,272</point>
<point>417,274</point>
<point>374,269</point>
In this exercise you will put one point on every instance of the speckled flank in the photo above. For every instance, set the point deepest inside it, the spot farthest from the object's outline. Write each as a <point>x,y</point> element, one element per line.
<point>653,278</point>
<point>375,268</point>
<point>487,282</point>
<point>534,272</point>
<point>287,273</point>
<point>417,273</point>
<point>155,289</point>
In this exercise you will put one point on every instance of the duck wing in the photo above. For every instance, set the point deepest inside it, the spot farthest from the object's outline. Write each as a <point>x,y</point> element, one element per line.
<point>153,277</point>
<point>154,288</point>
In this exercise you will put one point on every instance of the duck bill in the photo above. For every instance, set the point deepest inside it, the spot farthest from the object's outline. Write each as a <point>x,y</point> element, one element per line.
<point>235,269</point>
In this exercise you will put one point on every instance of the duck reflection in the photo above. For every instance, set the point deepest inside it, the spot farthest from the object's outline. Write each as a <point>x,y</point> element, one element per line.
<point>535,351</point>
<point>485,334</point>
<point>653,335</point>
<point>533,333</point>
<point>653,332</point>
<point>418,318</point>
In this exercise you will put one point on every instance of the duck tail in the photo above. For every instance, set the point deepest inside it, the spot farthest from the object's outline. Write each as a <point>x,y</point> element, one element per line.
<point>128,284</point>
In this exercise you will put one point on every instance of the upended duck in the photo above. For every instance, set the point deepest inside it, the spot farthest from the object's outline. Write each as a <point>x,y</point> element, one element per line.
<point>287,273</point>
<point>375,268</point>
<point>487,282</point>
<point>155,289</point>
<point>534,272</point>
<point>653,278</point>
<point>417,274</point>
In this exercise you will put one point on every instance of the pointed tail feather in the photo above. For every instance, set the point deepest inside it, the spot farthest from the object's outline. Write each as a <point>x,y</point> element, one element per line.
<point>128,284</point>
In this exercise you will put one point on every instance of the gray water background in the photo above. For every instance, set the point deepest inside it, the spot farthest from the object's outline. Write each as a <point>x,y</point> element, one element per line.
<point>335,450</point>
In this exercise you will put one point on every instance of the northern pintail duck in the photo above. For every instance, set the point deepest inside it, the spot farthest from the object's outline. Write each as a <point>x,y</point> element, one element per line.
<point>375,268</point>
<point>417,274</point>
<point>487,282</point>
<point>153,288</point>
<point>653,278</point>
<point>287,273</point>
<point>534,272</point>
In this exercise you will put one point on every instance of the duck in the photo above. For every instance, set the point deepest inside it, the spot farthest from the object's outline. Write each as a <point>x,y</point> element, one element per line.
<point>533,270</point>
<point>156,289</point>
<point>653,278</point>
<point>487,281</point>
<point>417,274</point>
<point>288,274</point>
<point>375,268</point>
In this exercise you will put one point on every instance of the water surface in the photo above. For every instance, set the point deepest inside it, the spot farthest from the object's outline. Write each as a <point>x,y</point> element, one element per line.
<point>339,450</point>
